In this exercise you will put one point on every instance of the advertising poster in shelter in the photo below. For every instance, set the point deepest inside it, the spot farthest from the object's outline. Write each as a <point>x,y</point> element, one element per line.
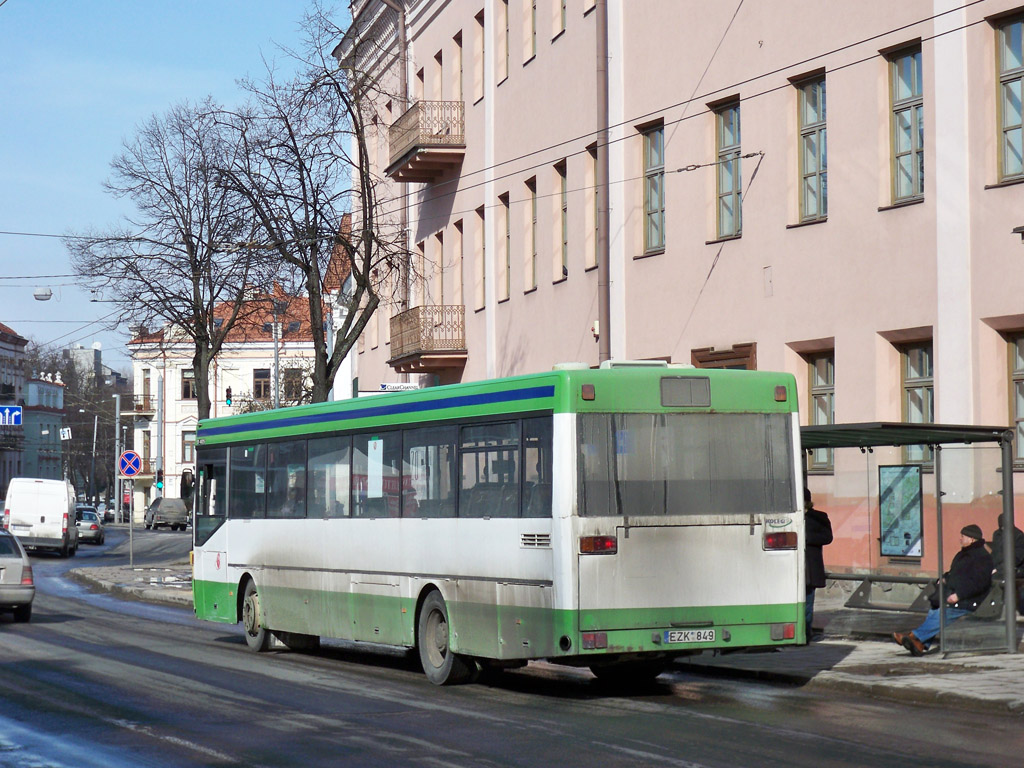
<point>901,511</point>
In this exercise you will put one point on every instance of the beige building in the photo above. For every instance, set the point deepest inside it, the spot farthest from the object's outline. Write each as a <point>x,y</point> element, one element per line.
<point>827,188</point>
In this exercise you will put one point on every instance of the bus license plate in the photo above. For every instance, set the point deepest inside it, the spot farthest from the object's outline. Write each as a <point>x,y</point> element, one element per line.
<point>689,635</point>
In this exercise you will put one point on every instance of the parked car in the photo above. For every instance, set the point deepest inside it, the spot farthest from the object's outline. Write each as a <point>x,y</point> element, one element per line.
<point>105,512</point>
<point>41,513</point>
<point>170,512</point>
<point>17,589</point>
<point>90,526</point>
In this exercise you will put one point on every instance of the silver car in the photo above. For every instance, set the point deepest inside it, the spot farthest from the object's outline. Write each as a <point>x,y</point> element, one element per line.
<point>17,589</point>
<point>90,526</point>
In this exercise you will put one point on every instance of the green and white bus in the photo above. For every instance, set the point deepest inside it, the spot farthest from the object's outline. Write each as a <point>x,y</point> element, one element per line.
<point>614,518</point>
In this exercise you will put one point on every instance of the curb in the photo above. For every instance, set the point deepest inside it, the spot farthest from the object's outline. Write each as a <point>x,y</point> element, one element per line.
<point>132,592</point>
<point>837,680</point>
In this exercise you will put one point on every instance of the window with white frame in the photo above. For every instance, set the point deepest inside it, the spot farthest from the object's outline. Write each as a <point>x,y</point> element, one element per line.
<point>730,176</point>
<point>1017,396</point>
<point>1011,77</point>
<point>813,150</point>
<point>561,172</point>
<point>907,125</point>
<point>654,188</point>
<point>918,395</point>
<point>821,395</point>
<point>188,447</point>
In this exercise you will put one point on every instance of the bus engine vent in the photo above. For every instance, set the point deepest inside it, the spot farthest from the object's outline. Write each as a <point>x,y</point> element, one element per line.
<point>536,541</point>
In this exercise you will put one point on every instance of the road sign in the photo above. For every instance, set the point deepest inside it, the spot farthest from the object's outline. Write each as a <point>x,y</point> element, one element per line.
<point>130,464</point>
<point>10,416</point>
<point>65,433</point>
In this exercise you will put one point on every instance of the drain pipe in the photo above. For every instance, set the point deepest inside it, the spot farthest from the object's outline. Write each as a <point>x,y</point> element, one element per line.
<point>601,183</point>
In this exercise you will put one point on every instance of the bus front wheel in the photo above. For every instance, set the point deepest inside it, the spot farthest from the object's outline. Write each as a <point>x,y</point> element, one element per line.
<point>256,635</point>
<point>440,664</point>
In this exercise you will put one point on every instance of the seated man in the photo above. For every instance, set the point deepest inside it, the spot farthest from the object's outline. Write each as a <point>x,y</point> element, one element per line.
<point>967,581</point>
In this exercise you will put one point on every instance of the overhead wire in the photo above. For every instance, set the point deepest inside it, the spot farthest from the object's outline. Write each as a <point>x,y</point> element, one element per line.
<point>400,198</point>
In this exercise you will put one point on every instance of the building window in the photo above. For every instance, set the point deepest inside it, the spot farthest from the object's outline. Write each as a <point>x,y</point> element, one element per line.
<point>918,395</point>
<point>291,384</point>
<point>821,391</point>
<point>813,151</point>
<point>563,205</point>
<point>561,17</point>
<point>654,189</point>
<point>730,177</point>
<point>907,126</point>
<point>1017,395</point>
<point>188,384</point>
<point>481,261</point>
<point>591,207</point>
<point>458,65</point>
<point>1011,76</point>
<point>188,447</point>
<point>531,264</point>
<point>479,56</point>
<point>506,39</point>
<point>460,257</point>
<point>505,285</point>
<point>261,384</point>
<point>533,28</point>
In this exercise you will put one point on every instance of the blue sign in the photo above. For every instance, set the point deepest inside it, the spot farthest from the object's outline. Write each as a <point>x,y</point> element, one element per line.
<point>130,463</point>
<point>10,416</point>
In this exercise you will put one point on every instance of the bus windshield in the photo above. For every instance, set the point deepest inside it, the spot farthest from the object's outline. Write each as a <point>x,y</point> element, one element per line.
<point>684,463</point>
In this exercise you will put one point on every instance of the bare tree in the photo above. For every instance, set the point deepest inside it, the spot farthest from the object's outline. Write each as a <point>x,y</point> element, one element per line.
<point>175,262</point>
<point>302,165</point>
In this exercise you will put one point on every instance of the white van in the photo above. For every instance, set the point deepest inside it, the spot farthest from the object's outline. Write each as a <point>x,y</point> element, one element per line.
<point>41,513</point>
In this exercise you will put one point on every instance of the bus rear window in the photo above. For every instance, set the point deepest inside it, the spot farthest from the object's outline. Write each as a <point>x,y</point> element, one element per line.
<point>684,463</point>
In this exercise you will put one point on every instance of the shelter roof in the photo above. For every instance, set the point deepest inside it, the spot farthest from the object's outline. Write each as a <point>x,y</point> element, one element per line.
<point>878,433</point>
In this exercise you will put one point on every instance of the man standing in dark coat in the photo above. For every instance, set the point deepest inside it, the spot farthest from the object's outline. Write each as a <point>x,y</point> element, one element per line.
<point>967,581</point>
<point>1016,580</point>
<point>817,533</point>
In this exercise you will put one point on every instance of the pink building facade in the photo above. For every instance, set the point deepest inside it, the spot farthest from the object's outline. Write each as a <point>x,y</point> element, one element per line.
<point>827,188</point>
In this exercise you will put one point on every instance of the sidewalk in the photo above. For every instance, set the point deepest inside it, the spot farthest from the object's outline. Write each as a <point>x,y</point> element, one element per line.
<point>856,654</point>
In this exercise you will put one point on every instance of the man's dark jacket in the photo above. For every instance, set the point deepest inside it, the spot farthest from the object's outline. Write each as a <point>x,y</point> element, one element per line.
<point>1018,550</point>
<point>970,575</point>
<point>818,532</point>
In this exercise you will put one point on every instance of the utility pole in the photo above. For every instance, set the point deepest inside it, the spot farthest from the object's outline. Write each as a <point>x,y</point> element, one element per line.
<point>117,457</point>
<point>159,432</point>
<point>92,462</point>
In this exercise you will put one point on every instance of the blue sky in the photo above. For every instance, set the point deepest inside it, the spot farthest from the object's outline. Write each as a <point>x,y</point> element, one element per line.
<point>76,77</point>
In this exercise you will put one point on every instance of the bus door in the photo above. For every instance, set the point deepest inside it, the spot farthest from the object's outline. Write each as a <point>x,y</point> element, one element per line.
<point>210,558</point>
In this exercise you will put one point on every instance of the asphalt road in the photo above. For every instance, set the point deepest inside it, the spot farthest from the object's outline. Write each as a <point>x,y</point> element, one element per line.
<point>98,681</point>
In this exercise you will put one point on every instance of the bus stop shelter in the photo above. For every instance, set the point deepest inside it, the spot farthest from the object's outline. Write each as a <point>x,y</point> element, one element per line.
<point>869,435</point>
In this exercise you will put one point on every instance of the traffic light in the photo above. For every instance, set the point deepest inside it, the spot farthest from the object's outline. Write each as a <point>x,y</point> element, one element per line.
<point>227,396</point>
<point>160,479</point>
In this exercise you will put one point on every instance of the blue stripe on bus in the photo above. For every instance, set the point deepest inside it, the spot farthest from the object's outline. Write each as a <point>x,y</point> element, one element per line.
<point>487,398</point>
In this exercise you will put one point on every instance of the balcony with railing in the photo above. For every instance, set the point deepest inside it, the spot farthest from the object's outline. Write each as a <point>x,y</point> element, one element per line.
<point>143,405</point>
<point>428,141</point>
<point>429,339</point>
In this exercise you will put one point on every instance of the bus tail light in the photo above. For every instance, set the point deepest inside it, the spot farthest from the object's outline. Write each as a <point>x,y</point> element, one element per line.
<point>781,540</point>
<point>598,545</point>
<point>594,640</point>
<point>26,576</point>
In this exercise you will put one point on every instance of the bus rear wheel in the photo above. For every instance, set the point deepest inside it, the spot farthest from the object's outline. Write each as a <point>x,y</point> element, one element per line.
<point>440,664</point>
<point>257,637</point>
